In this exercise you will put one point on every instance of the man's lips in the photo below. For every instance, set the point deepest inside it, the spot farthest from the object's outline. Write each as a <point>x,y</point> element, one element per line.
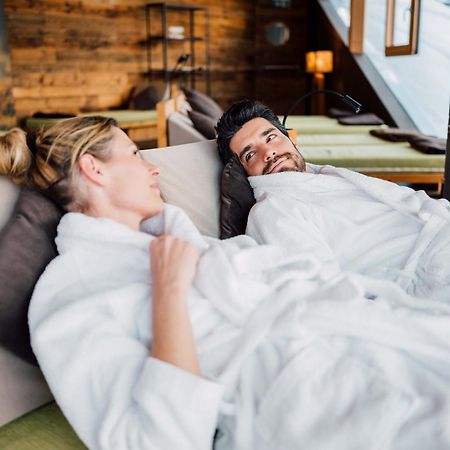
<point>277,163</point>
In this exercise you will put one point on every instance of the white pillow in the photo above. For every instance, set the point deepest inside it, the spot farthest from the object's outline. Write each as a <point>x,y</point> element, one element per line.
<point>190,178</point>
<point>181,130</point>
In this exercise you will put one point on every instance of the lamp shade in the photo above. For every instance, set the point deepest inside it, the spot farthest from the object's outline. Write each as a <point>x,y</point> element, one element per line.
<point>320,61</point>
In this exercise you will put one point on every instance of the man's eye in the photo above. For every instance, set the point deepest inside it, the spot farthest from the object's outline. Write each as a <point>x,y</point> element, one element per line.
<point>270,137</point>
<point>249,156</point>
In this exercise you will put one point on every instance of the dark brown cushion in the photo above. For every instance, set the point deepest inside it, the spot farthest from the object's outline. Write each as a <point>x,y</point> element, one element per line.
<point>428,144</point>
<point>146,96</point>
<point>203,124</point>
<point>361,119</point>
<point>236,199</point>
<point>339,112</point>
<point>203,103</point>
<point>26,247</point>
<point>394,134</point>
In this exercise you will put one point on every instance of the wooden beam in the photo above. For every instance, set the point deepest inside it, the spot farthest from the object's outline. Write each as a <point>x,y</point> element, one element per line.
<point>356,29</point>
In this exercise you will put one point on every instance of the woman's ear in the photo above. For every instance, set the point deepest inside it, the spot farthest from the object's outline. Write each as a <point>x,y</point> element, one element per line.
<point>91,168</point>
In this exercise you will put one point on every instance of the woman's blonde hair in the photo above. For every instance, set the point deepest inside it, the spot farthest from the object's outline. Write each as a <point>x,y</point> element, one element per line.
<point>48,161</point>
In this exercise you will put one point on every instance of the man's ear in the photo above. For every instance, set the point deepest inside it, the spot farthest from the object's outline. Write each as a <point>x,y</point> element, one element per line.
<point>296,146</point>
<point>91,168</point>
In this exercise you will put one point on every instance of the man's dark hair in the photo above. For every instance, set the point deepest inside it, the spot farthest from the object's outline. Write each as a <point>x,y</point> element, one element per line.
<point>233,120</point>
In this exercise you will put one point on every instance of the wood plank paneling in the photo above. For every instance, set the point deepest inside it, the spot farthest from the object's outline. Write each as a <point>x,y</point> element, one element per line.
<point>280,77</point>
<point>70,56</point>
<point>7,111</point>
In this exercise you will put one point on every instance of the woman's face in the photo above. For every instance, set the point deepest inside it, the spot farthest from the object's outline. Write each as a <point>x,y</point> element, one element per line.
<point>130,180</point>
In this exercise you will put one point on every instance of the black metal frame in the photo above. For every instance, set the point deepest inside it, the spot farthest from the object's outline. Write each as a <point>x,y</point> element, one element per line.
<point>446,191</point>
<point>166,71</point>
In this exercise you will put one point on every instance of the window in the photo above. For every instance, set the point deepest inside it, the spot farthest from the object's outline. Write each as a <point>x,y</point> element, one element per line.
<point>420,82</point>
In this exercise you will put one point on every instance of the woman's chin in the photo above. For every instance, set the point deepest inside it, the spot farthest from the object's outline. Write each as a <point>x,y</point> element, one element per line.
<point>155,209</point>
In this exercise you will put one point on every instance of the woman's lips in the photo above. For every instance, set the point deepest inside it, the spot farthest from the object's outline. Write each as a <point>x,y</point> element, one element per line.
<point>155,186</point>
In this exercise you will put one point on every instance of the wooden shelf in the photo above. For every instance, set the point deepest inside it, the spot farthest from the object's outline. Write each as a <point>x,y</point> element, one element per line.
<point>172,39</point>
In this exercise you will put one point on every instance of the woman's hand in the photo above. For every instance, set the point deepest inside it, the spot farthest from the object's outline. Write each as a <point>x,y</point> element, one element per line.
<point>173,266</point>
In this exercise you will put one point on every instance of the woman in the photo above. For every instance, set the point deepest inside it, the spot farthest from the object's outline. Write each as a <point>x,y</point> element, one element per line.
<point>146,345</point>
<point>90,166</point>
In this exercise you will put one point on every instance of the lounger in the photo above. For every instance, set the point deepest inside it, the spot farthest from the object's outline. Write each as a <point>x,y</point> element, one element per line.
<point>323,140</point>
<point>140,124</point>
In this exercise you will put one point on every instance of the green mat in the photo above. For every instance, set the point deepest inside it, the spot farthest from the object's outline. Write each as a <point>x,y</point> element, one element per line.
<point>385,156</point>
<point>45,428</point>
<point>122,116</point>
<point>323,125</point>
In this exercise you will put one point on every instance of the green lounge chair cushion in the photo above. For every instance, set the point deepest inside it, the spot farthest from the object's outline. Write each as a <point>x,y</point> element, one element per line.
<point>45,428</point>
<point>123,116</point>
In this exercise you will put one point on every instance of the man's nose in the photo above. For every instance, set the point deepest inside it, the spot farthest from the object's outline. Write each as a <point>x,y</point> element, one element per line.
<point>269,154</point>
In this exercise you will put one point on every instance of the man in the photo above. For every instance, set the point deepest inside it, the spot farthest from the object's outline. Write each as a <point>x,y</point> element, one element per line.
<point>350,222</point>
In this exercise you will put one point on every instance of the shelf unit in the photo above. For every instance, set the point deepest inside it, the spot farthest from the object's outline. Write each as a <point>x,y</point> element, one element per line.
<point>170,52</point>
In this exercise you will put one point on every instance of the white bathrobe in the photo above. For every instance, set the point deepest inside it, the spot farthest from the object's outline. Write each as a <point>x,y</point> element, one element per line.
<point>287,359</point>
<point>357,223</point>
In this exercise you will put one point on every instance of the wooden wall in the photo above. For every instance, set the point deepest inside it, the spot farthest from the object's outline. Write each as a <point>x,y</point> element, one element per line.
<point>69,56</point>
<point>7,112</point>
<point>280,69</point>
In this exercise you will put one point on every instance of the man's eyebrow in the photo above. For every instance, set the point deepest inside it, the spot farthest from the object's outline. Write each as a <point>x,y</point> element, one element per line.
<point>266,132</point>
<point>244,151</point>
<point>248,147</point>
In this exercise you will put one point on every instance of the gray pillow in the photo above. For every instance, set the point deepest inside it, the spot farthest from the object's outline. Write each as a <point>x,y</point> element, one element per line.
<point>204,104</point>
<point>203,124</point>
<point>26,247</point>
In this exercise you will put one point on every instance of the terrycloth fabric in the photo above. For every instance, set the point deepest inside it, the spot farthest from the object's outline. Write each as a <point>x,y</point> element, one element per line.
<point>287,357</point>
<point>357,223</point>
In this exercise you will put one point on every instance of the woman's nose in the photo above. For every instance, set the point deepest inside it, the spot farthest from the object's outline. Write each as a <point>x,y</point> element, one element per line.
<point>153,169</point>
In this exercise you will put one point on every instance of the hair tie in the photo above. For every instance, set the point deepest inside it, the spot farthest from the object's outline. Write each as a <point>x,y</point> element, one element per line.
<point>31,142</point>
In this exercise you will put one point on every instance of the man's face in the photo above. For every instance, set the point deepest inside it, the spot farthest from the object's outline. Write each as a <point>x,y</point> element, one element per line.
<point>263,149</point>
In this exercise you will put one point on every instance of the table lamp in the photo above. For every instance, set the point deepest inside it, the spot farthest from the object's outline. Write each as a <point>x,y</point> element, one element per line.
<point>319,63</point>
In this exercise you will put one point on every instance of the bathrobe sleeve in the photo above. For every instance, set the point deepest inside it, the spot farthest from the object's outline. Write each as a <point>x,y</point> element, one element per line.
<point>114,394</point>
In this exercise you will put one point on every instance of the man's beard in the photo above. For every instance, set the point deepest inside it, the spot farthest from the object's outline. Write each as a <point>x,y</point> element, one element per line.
<point>298,166</point>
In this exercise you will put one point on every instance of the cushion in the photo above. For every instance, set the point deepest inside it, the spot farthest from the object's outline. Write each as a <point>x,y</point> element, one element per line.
<point>393,134</point>
<point>203,124</point>
<point>339,112</point>
<point>236,199</point>
<point>190,178</point>
<point>26,247</point>
<point>181,130</point>
<point>43,428</point>
<point>428,145</point>
<point>146,96</point>
<point>203,103</point>
<point>361,119</point>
